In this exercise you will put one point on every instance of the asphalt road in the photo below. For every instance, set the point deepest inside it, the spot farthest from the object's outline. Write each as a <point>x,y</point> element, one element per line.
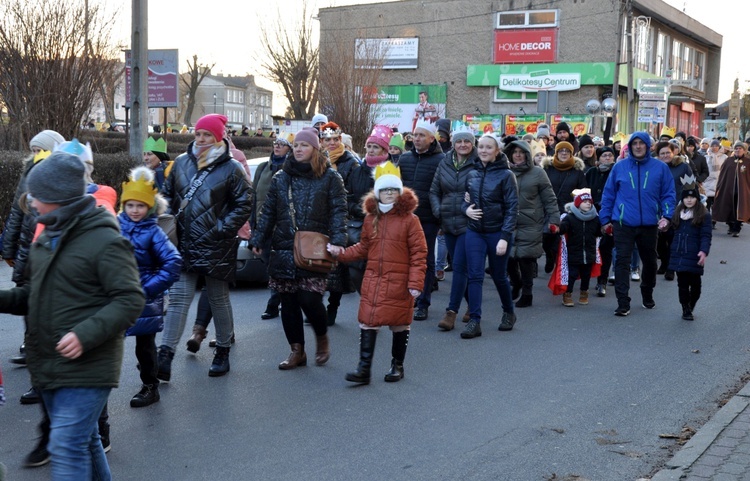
<point>569,392</point>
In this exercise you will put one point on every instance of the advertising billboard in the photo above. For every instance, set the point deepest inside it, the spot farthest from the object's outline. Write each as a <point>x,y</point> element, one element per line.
<point>400,106</point>
<point>520,125</point>
<point>525,46</point>
<point>394,53</point>
<point>163,89</point>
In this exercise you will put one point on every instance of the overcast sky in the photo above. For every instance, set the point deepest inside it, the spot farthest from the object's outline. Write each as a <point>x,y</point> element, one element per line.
<point>226,33</point>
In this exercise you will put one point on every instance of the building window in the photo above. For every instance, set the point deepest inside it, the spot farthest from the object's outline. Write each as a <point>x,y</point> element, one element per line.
<point>527,19</point>
<point>242,97</point>
<point>642,45</point>
<point>662,50</point>
<point>676,58</point>
<point>687,64</point>
<point>698,69</point>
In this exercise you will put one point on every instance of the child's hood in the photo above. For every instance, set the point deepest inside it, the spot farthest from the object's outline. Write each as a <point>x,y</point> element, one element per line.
<point>406,203</point>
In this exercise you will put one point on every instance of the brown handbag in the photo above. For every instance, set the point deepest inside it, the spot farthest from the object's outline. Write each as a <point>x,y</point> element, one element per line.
<point>310,248</point>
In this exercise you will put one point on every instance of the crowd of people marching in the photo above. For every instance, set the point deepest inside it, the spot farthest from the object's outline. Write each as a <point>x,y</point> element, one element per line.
<point>88,268</point>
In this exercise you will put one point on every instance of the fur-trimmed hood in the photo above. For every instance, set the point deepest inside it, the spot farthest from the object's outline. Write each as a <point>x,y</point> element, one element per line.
<point>579,164</point>
<point>406,203</point>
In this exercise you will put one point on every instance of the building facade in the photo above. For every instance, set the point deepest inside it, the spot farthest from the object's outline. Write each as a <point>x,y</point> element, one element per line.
<point>512,65</point>
<point>239,98</point>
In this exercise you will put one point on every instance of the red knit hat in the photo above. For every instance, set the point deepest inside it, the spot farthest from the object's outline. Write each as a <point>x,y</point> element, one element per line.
<point>214,123</point>
<point>583,197</point>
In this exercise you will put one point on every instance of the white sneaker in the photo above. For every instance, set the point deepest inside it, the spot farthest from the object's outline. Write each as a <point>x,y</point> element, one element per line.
<point>635,275</point>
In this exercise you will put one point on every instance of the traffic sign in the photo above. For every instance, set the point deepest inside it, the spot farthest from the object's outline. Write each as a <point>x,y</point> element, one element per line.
<point>654,96</point>
<point>652,104</point>
<point>684,83</point>
<point>653,81</point>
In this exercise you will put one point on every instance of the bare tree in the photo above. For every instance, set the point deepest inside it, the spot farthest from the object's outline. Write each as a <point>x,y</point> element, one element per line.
<point>53,58</point>
<point>108,88</point>
<point>291,60</point>
<point>349,76</point>
<point>195,75</point>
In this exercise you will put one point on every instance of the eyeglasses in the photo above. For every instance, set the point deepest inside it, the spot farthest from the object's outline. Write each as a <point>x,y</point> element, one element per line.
<point>389,190</point>
<point>279,143</point>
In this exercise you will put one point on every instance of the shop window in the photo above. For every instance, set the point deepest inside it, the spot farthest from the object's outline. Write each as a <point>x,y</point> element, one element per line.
<point>676,59</point>
<point>527,19</point>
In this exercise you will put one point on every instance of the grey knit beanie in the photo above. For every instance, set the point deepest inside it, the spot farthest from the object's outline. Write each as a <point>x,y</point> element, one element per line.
<point>58,179</point>
<point>46,140</point>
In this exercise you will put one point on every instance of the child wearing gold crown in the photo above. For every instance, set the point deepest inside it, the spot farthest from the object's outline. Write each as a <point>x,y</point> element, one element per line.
<point>692,241</point>
<point>159,265</point>
<point>394,246</point>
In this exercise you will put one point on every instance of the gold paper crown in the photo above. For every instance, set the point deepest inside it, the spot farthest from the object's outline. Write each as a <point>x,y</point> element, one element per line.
<point>727,144</point>
<point>618,137</point>
<point>387,168</point>
<point>141,190</point>
<point>43,154</point>
<point>669,131</point>
<point>152,145</point>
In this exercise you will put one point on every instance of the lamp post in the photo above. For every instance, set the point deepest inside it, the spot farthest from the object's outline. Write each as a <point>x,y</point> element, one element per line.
<point>214,103</point>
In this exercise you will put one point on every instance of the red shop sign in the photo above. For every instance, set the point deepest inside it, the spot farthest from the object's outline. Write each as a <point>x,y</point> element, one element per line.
<point>522,46</point>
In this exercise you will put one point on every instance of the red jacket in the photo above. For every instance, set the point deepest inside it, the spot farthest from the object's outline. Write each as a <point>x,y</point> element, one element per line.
<point>396,261</point>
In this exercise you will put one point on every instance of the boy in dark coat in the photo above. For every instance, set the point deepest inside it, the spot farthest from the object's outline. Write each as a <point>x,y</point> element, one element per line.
<point>582,226</point>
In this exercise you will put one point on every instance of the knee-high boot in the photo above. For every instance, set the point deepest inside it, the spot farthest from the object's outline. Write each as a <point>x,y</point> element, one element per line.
<point>367,339</point>
<point>398,351</point>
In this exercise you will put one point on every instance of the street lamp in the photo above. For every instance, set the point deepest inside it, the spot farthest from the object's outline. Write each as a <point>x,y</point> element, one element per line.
<point>214,103</point>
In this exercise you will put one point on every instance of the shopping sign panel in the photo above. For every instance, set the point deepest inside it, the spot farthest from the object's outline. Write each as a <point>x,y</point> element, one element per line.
<point>162,78</point>
<point>525,46</point>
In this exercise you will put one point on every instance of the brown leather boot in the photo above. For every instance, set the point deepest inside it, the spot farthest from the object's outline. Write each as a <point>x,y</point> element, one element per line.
<point>568,299</point>
<point>584,299</point>
<point>467,316</point>
<point>448,321</point>
<point>296,358</point>
<point>323,350</point>
<point>199,334</point>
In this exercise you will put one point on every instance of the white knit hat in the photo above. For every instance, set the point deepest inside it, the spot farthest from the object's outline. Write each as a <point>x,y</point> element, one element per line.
<point>387,175</point>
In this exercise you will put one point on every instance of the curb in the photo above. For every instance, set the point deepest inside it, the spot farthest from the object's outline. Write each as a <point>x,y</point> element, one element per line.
<point>681,462</point>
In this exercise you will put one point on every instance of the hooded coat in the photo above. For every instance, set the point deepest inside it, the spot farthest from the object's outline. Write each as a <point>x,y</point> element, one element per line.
<point>417,172</point>
<point>396,256</point>
<point>734,179</point>
<point>679,167</point>
<point>564,182</point>
<point>688,241</point>
<point>638,192</point>
<point>207,226</point>
<point>447,192</point>
<point>537,204</point>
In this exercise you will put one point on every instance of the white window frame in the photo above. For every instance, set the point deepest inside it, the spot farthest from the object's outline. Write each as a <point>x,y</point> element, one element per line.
<point>526,23</point>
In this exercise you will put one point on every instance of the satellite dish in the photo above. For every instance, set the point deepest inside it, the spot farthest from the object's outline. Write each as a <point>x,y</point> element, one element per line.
<point>593,106</point>
<point>609,105</point>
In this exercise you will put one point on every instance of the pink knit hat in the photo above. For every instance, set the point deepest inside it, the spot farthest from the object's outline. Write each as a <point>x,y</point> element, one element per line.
<point>381,135</point>
<point>309,135</point>
<point>214,123</point>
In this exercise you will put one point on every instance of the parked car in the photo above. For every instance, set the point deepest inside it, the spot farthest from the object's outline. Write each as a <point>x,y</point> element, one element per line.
<point>251,268</point>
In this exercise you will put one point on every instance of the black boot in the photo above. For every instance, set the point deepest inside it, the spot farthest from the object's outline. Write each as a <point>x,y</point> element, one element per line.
<point>525,301</point>
<point>398,351</point>
<point>149,394</point>
<point>164,363</point>
<point>21,358</point>
<point>367,339</point>
<point>220,366</point>
<point>687,312</point>
<point>332,311</point>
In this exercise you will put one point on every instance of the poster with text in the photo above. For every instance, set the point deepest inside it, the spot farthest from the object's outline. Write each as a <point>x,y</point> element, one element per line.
<point>481,124</point>
<point>579,124</point>
<point>401,106</point>
<point>520,125</point>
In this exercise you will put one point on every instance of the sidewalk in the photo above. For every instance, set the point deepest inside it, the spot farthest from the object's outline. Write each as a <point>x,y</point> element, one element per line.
<point>719,451</point>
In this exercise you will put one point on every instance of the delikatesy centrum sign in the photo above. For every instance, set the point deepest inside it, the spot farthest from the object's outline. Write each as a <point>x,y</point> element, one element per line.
<point>541,80</point>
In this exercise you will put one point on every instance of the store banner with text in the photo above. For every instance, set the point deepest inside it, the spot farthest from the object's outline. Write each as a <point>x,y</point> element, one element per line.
<point>525,46</point>
<point>579,124</point>
<point>520,125</point>
<point>401,106</point>
<point>163,88</point>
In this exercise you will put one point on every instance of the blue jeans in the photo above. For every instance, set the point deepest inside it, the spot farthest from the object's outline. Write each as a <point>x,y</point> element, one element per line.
<point>181,296</point>
<point>478,247</point>
<point>74,443</point>
<point>442,253</point>
<point>457,248</point>
<point>430,234</point>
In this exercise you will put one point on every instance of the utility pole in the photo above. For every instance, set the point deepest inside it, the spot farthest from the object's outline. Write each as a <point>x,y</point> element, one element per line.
<point>631,98</point>
<point>139,83</point>
<point>616,74</point>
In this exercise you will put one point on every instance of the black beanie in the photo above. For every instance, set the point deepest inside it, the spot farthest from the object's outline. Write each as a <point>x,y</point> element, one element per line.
<point>562,126</point>
<point>584,140</point>
<point>602,150</point>
<point>444,126</point>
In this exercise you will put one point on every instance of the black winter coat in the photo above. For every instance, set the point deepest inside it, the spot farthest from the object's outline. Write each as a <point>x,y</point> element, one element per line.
<point>319,205</point>
<point>688,241</point>
<point>359,183</point>
<point>19,230</point>
<point>417,172</point>
<point>346,165</point>
<point>207,227</point>
<point>493,189</point>
<point>564,182</point>
<point>581,241</point>
<point>700,166</point>
<point>596,180</point>
<point>447,193</point>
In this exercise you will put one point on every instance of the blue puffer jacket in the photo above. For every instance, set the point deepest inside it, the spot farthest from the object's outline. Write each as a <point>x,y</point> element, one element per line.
<point>638,191</point>
<point>159,266</point>
<point>688,241</point>
<point>493,188</point>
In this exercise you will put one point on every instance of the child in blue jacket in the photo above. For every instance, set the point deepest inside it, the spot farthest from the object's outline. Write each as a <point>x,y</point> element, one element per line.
<point>692,241</point>
<point>159,265</point>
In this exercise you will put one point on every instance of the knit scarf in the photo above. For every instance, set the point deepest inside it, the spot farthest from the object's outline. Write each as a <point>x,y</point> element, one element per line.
<point>605,167</point>
<point>207,154</point>
<point>563,166</point>
<point>335,154</point>
<point>686,214</point>
<point>375,160</point>
<point>458,162</point>
<point>56,220</point>
<point>385,208</point>
<point>581,215</point>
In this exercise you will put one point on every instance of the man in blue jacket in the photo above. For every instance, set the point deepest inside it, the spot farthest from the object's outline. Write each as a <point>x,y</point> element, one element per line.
<point>638,200</point>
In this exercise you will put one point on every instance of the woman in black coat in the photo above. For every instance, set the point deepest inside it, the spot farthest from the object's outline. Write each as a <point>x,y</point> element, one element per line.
<point>307,186</point>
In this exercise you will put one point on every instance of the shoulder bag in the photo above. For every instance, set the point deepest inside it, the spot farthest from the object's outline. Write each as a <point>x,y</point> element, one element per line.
<point>310,252</point>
